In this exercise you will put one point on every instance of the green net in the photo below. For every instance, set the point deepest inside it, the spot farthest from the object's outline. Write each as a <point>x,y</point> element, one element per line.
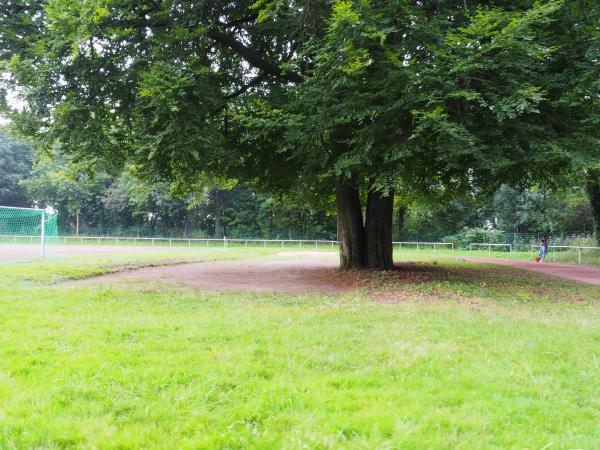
<point>24,225</point>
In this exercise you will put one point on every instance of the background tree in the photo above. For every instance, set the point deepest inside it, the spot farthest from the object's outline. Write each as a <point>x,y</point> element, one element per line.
<point>55,181</point>
<point>531,210</point>
<point>593,191</point>
<point>15,164</point>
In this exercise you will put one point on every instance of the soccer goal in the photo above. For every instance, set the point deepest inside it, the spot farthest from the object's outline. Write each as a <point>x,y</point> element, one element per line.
<point>28,226</point>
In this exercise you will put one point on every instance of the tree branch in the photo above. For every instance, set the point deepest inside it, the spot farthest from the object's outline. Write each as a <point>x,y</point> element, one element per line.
<point>240,21</point>
<point>252,58</point>
<point>255,81</point>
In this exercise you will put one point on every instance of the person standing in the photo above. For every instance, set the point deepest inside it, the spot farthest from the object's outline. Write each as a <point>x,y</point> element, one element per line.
<point>543,247</point>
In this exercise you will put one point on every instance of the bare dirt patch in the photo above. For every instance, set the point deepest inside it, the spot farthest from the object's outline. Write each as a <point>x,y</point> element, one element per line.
<point>285,272</point>
<point>316,271</point>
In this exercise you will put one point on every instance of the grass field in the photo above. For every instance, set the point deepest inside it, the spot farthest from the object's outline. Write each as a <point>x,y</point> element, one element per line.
<point>589,256</point>
<point>444,355</point>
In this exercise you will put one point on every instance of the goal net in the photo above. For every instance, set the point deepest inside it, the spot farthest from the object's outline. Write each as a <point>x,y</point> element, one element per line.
<point>26,232</point>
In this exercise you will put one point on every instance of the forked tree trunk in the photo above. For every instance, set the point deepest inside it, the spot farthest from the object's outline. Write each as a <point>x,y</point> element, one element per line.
<point>378,231</point>
<point>351,232</point>
<point>593,191</point>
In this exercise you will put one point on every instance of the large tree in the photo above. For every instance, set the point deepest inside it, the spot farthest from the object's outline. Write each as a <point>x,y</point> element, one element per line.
<point>346,97</point>
<point>446,99</point>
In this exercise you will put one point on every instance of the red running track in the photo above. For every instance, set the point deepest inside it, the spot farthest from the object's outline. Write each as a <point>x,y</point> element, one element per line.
<point>581,273</point>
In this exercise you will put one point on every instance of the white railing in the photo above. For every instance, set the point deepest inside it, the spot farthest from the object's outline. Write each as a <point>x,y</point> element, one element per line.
<point>552,249</point>
<point>489,246</point>
<point>16,238</point>
<point>208,241</point>
<point>171,241</point>
<point>420,245</point>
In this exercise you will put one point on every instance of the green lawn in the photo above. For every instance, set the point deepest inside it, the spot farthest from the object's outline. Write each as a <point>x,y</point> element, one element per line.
<point>442,355</point>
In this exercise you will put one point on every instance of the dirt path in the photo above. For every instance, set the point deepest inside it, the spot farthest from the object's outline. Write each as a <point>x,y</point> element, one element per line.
<point>581,273</point>
<point>303,271</point>
<point>284,272</point>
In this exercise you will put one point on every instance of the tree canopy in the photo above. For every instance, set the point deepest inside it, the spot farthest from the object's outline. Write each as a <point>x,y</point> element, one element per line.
<point>349,98</point>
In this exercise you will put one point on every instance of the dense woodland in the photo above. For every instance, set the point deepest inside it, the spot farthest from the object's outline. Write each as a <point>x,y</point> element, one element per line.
<point>125,204</point>
<point>432,114</point>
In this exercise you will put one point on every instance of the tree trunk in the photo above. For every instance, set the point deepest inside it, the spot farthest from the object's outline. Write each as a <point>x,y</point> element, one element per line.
<point>186,224</point>
<point>378,230</point>
<point>593,191</point>
<point>401,217</point>
<point>351,232</point>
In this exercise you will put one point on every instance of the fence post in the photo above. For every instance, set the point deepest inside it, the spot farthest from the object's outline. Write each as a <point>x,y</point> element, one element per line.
<point>417,246</point>
<point>579,255</point>
<point>43,233</point>
<point>553,254</point>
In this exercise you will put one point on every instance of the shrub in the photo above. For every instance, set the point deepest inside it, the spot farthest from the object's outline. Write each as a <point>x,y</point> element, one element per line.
<point>464,237</point>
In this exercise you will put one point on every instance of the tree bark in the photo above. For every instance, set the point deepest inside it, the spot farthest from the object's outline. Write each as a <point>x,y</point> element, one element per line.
<point>593,192</point>
<point>378,230</point>
<point>401,218</point>
<point>351,232</point>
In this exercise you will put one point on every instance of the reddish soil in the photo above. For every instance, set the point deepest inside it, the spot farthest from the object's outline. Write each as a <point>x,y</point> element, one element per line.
<point>581,273</point>
<point>285,272</point>
<point>288,271</point>
<point>312,271</point>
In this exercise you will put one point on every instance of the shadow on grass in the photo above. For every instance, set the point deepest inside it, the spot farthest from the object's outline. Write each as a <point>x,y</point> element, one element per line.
<point>473,283</point>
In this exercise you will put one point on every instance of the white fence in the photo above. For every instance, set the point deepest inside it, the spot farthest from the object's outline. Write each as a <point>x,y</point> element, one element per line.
<point>425,245</point>
<point>575,253</point>
<point>208,241</point>
<point>552,250</point>
<point>196,241</point>
<point>165,241</point>
<point>489,246</point>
